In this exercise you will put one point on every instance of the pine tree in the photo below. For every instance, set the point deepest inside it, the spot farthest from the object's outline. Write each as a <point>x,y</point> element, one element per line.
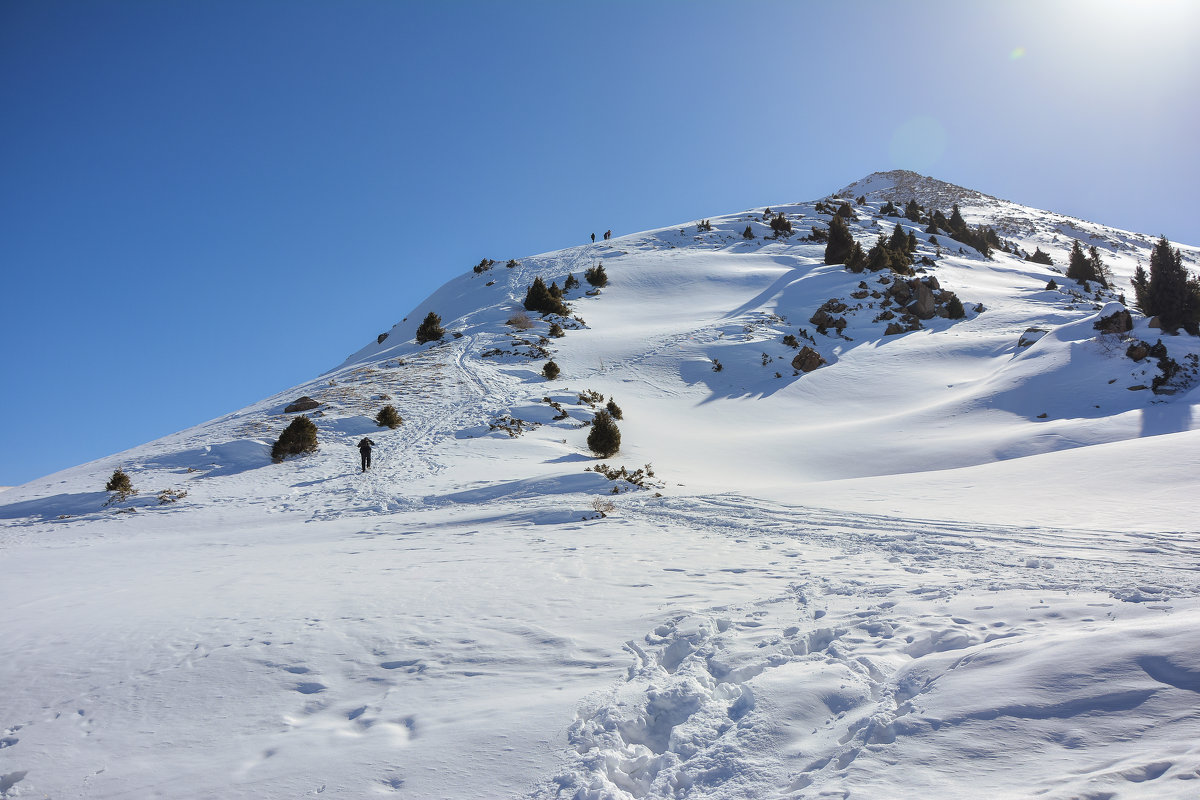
<point>747,234</point>
<point>857,260</point>
<point>1099,270</point>
<point>1168,294</point>
<point>878,258</point>
<point>121,484</point>
<point>388,417</point>
<point>570,283</point>
<point>899,241</point>
<point>1078,268</point>
<point>605,438</point>
<point>954,308</point>
<point>431,329</point>
<point>300,436</point>
<point>596,276</point>
<point>781,225</point>
<point>550,370</point>
<point>912,211</point>
<point>840,244</point>
<point>1141,289</point>
<point>1039,257</point>
<point>539,298</point>
<point>889,209</point>
<point>957,225</point>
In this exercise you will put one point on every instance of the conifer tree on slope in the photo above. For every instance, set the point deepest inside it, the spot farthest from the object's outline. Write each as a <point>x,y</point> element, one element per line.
<point>1168,294</point>
<point>1078,267</point>
<point>841,243</point>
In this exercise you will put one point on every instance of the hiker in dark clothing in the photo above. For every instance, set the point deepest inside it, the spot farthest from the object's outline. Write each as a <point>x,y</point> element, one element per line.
<point>608,234</point>
<point>364,449</point>
<point>593,238</point>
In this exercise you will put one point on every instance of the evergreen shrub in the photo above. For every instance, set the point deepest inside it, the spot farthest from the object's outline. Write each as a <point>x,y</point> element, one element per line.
<point>431,329</point>
<point>388,417</point>
<point>605,438</point>
<point>300,436</point>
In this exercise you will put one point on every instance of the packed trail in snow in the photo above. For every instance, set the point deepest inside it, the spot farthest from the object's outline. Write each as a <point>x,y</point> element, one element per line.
<point>926,529</point>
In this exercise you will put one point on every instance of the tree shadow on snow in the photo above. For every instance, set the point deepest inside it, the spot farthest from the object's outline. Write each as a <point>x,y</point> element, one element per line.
<point>227,458</point>
<point>1162,418</point>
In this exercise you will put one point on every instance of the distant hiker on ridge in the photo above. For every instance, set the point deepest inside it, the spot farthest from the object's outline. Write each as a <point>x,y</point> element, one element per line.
<point>608,234</point>
<point>593,238</point>
<point>364,450</point>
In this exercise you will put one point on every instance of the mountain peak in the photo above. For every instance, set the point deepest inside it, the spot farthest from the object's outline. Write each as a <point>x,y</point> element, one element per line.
<point>900,185</point>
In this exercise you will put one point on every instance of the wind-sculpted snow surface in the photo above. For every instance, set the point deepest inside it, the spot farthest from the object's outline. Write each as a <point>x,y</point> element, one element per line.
<point>957,559</point>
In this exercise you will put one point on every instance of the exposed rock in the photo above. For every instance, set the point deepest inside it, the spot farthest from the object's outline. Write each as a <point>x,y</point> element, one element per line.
<point>1117,322</point>
<point>900,290</point>
<point>894,328</point>
<point>1031,336</point>
<point>807,359</point>
<point>379,339</point>
<point>823,319</point>
<point>923,304</point>
<point>304,403</point>
<point>1138,350</point>
<point>932,282</point>
<point>1154,322</point>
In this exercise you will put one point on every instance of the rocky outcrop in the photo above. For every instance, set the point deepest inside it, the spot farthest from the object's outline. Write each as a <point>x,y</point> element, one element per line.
<point>824,320</point>
<point>304,403</point>
<point>1117,322</point>
<point>1031,336</point>
<point>923,305</point>
<point>1138,350</point>
<point>807,359</point>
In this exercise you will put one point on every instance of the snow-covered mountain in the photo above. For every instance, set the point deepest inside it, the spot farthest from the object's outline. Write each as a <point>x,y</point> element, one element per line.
<point>957,556</point>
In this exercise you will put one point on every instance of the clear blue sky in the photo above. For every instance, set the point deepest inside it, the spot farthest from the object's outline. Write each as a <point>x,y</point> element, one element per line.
<point>205,202</point>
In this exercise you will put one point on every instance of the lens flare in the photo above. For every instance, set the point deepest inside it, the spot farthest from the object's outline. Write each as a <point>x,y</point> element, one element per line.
<point>1017,53</point>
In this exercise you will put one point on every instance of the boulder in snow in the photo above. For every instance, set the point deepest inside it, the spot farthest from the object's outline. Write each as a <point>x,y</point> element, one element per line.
<point>807,359</point>
<point>304,403</point>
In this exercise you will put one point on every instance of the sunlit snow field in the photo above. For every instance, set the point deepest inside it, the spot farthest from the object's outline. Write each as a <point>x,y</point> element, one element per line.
<point>944,564</point>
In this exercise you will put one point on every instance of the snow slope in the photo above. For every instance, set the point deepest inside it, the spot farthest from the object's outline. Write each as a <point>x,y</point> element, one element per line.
<point>959,559</point>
